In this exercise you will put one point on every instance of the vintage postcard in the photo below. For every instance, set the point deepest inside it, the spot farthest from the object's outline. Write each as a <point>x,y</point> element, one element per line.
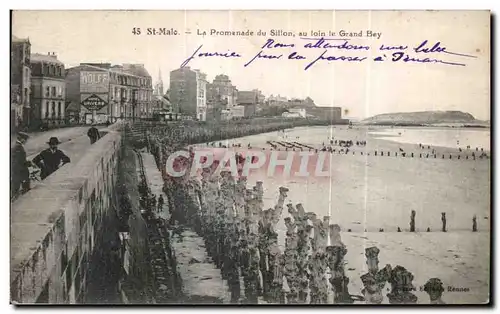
<point>250,157</point>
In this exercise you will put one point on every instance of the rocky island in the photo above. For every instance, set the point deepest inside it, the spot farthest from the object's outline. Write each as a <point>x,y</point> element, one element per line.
<point>426,118</point>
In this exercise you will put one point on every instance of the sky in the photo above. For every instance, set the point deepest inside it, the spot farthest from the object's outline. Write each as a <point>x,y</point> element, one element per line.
<point>363,88</point>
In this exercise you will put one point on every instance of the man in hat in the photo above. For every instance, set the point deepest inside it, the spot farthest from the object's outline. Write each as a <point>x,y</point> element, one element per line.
<point>50,159</point>
<point>93,134</point>
<point>19,165</point>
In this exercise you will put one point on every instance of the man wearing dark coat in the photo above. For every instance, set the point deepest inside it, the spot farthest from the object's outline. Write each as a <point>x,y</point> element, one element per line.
<point>50,159</point>
<point>19,172</point>
<point>93,134</point>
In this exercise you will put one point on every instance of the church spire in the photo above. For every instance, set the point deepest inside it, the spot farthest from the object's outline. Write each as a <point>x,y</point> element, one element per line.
<point>159,84</point>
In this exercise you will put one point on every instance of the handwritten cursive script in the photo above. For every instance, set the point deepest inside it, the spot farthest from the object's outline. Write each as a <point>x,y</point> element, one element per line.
<point>209,54</point>
<point>339,50</point>
<point>437,48</point>
<point>323,43</point>
<point>401,56</point>
<point>333,58</point>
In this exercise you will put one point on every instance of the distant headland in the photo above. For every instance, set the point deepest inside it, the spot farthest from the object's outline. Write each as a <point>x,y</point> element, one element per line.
<point>427,118</point>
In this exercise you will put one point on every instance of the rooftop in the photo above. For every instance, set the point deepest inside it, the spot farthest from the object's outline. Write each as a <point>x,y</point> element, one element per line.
<point>38,57</point>
<point>20,40</point>
<point>136,69</point>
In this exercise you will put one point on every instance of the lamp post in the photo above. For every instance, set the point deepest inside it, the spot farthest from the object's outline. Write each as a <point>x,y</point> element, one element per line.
<point>134,103</point>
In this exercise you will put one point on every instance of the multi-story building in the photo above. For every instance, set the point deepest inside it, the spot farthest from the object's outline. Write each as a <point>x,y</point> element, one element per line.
<point>107,93</point>
<point>20,79</point>
<point>48,89</point>
<point>260,97</point>
<point>222,88</point>
<point>334,114</point>
<point>188,89</point>
<point>201,95</point>
<point>277,100</point>
<point>16,108</point>
<point>249,100</point>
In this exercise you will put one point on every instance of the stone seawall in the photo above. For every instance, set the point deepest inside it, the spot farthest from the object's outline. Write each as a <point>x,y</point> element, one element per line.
<point>193,132</point>
<point>57,227</point>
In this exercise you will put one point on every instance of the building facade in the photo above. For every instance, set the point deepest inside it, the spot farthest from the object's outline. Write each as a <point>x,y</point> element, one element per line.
<point>188,90</point>
<point>296,112</point>
<point>277,100</point>
<point>183,91</point>
<point>333,114</point>
<point>108,93</point>
<point>20,78</point>
<point>201,95</point>
<point>48,89</point>
<point>222,88</point>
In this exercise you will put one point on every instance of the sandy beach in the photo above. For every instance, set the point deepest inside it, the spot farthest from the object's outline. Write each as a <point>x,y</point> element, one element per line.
<point>369,193</point>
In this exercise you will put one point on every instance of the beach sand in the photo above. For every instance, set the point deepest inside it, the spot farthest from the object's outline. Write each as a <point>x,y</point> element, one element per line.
<point>373,192</point>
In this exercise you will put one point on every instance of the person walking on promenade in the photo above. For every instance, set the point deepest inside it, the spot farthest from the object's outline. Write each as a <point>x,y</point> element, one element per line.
<point>160,203</point>
<point>93,134</point>
<point>50,159</point>
<point>19,172</point>
<point>153,203</point>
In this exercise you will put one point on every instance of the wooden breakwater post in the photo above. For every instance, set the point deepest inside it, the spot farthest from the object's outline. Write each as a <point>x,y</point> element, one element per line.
<point>295,259</point>
<point>210,188</point>
<point>401,287</point>
<point>335,259</point>
<point>291,255</point>
<point>272,256</point>
<point>412,221</point>
<point>250,259</point>
<point>230,233</point>
<point>374,280</point>
<point>276,257</point>
<point>303,231</point>
<point>434,288</point>
<point>443,221</point>
<point>317,262</point>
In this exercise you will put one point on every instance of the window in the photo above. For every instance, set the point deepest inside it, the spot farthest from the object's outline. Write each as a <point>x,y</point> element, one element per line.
<point>26,99</point>
<point>53,109</point>
<point>47,110</point>
<point>59,110</point>
<point>53,91</point>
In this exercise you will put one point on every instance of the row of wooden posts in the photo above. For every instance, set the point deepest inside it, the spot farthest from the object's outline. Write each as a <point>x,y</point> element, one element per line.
<point>294,146</point>
<point>242,239</point>
<point>443,223</point>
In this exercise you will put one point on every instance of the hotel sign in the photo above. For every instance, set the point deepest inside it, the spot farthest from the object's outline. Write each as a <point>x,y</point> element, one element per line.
<point>94,82</point>
<point>94,102</point>
<point>94,78</point>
